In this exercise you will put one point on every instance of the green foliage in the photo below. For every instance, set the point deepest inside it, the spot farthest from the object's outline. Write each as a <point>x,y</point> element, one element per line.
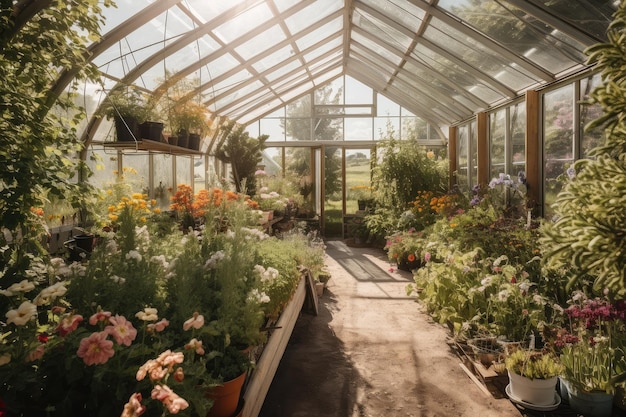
<point>590,227</point>
<point>39,145</point>
<point>533,365</point>
<point>243,153</point>
<point>404,169</point>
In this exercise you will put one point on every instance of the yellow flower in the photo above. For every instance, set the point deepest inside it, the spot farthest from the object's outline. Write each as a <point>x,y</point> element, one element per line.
<point>157,210</point>
<point>113,217</point>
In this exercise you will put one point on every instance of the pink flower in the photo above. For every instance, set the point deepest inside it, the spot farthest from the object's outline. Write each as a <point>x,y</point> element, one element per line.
<point>169,398</point>
<point>35,354</point>
<point>179,375</point>
<point>68,324</point>
<point>195,344</point>
<point>427,256</point>
<point>133,408</point>
<point>100,316</point>
<point>169,358</point>
<point>95,349</point>
<point>158,326</point>
<point>391,270</point>
<point>196,322</point>
<point>122,330</point>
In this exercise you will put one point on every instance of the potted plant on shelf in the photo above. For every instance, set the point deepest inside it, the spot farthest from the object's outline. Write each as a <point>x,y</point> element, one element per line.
<point>188,119</point>
<point>133,115</point>
<point>533,376</point>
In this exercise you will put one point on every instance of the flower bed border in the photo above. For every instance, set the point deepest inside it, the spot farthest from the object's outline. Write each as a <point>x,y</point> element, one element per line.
<point>263,374</point>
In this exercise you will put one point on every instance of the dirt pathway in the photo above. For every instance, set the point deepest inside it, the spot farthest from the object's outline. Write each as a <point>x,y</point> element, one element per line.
<point>372,352</point>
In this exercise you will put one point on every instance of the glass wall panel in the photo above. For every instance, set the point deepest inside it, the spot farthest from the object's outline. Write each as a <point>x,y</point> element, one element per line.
<point>588,113</point>
<point>183,170</point>
<point>558,140</point>
<point>386,107</point>
<point>103,164</point>
<point>497,138</point>
<point>384,125</point>
<point>272,127</point>
<point>517,123</point>
<point>358,179</point>
<point>463,157</point>
<point>199,173</point>
<point>333,201</point>
<point>136,172</point>
<point>164,185</point>
<point>358,128</point>
<point>473,148</point>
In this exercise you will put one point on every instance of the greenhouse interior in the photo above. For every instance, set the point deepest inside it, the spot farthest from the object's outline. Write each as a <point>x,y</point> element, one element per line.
<point>185,182</point>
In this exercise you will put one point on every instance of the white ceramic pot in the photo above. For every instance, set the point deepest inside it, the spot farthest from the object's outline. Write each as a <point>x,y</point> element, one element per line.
<point>532,391</point>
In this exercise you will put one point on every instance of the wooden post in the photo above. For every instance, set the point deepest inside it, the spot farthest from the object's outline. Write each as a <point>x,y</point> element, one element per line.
<point>482,151</point>
<point>453,144</point>
<point>533,155</point>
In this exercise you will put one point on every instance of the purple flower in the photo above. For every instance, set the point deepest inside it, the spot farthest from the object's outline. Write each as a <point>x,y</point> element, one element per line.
<point>571,172</point>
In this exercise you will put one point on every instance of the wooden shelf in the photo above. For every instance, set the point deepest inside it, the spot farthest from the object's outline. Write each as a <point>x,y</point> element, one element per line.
<point>150,145</point>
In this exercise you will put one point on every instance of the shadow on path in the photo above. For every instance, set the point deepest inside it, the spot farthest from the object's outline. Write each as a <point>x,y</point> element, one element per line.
<point>315,377</point>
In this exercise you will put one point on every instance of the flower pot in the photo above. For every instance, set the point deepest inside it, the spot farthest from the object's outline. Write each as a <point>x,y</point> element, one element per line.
<point>183,138</point>
<point>226,397</point>
<point>151,131</point>
<point>589,404</point>
<point>532,391</point>
<point>126,129</point>
<point>194,142</point>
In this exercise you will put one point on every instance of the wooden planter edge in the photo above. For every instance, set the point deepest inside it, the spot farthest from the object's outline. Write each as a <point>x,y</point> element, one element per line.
<point>266,367</point>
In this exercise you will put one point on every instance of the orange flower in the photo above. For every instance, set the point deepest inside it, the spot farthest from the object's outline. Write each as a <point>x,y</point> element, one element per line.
<point>411,257</point>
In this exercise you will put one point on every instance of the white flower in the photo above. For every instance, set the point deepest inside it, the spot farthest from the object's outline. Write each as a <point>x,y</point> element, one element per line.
<point>22,286</point>
<point>22,314</point>
<point>499,260</point>
<point>214,259</point>
<point>538,299</point>
<point>524,286</point>
<point>259,297</point>
<point>133,254</point>
<point>118,280</point>
<point>485,282</point>
<point>557,308</point>
<point>148,314</point>
<point>161,260</point>
<point>503,295</point>
<point>48,294</point>
<point>111,247</point>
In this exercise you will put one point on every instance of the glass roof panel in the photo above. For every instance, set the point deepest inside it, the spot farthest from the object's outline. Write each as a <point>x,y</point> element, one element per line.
<point>401,11</point>
<point>283,69</point>
<point>209,10</point>
<point>243,22</point>
<point>283,5</point>
<point>271,60</point>
<point>333,27</point>
<point>373,57</point>
<point>113,17</point>
<point>335,44</point>
<point>455,73</point>
<point>380,29</point>
<point>477,55</point>
<point>591,16</point>
<point>520,32</point>
<point>218,66</point>
<point>376,48</point>
<point>319,8</point>
<point>261,42</point>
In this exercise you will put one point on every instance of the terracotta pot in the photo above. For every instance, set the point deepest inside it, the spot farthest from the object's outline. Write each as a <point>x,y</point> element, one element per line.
<point>226,397</point>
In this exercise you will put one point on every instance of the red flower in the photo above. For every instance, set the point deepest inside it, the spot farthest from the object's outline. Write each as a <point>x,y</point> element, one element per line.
<point>513,280</point>
<point>43,337</point>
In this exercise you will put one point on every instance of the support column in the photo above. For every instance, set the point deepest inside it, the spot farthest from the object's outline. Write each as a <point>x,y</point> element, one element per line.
<point>482,151</point>
<point>533,154</point>
<point>453,156</point>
